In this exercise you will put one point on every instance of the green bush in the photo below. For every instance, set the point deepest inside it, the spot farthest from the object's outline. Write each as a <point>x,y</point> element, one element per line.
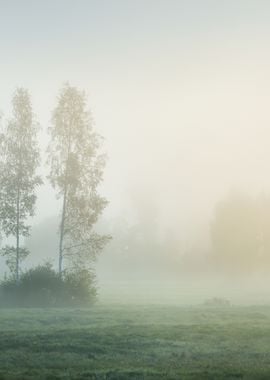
<point>42,287</point>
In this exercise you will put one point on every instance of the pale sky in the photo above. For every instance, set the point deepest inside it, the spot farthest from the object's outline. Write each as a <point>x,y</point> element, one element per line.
<point>179,89</point>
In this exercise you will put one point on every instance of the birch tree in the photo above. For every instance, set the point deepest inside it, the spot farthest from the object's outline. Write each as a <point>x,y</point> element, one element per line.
<point>76,170</point>
<point>18,178</point>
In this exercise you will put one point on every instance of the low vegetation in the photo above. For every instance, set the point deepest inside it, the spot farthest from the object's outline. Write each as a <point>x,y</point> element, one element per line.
<point>217,302</point>
<point>135,342</point>
<point>43,287</point>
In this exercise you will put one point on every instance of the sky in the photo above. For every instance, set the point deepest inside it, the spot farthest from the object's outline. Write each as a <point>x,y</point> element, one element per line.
<point>179,89</point>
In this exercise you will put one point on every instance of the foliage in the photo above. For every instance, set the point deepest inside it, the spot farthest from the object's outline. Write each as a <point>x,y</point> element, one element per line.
<point>240,233</point>
<point>80,287</point>
<point>18,178</point>
<point>76,171</point>
<point>10,253</point>
<point>42,287</point>
<point>217,302</point>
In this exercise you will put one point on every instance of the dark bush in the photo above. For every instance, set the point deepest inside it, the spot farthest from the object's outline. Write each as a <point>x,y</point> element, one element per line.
<point>43,287</point>
<point>80,287</point>
<point>217,302</point>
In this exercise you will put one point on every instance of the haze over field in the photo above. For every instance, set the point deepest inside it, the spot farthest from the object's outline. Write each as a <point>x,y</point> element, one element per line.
<point>180,91</point>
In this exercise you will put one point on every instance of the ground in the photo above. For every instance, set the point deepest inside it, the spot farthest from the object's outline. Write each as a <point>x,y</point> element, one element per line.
<point>135,342</point>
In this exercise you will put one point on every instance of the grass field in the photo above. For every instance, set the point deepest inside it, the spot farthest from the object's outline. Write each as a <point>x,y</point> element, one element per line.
<point>135,342</point>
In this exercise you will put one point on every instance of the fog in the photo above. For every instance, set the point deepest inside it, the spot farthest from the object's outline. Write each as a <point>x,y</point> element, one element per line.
<point>180,91</point>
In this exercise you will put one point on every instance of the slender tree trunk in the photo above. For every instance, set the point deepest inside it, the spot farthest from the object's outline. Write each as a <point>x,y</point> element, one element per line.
<point>62,230</point>
<point>63,217</point>
<point>17,236</point>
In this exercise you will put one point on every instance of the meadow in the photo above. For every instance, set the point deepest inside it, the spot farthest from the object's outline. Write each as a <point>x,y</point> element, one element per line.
<point>135,342</point>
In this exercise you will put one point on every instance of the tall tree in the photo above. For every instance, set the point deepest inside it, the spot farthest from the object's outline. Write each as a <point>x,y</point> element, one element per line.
<point>18,177</point>
<point>236,233</point>
<point>76,171</point>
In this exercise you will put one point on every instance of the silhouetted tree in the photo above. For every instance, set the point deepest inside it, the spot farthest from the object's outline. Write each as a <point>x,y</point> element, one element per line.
<point>76,171</point>
<point>18,178</point>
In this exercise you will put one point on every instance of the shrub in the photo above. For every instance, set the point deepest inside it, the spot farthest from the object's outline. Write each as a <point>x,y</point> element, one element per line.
<point>42,287</point>
<point>80,287</point>
<point>217,302</point>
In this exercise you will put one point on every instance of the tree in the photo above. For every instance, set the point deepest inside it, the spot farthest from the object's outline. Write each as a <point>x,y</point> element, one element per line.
<point>18,178</point>
<point>235,233</point>
<point>76,170</point>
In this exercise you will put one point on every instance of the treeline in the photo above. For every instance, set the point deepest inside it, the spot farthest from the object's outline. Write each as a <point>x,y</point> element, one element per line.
<point>234,242</point>
<point>240,234</point>
<point>76,169</point>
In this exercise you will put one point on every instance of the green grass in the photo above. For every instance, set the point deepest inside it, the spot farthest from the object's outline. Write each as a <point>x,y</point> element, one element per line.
<point>135,342</point>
